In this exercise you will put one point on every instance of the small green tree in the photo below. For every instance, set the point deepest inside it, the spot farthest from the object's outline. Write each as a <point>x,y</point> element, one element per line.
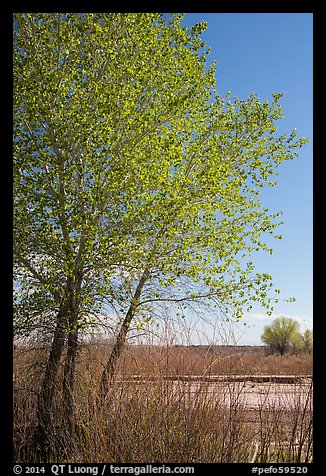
<point>307,340</point>
<point>297,343</point>
<point>281,335</point>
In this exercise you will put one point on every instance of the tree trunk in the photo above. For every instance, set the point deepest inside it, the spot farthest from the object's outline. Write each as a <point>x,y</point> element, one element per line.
<point>69,380</point>
<point>44,429</point>
<point>70,363</point>
<point>110,368</point>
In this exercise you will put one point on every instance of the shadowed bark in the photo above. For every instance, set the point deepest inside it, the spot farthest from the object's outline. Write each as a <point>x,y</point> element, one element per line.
<point>74,286</point>
<point>69,380</point>
<point>44,411</point>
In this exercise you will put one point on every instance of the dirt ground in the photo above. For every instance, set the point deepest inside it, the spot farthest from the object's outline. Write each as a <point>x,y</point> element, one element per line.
<point>265,395</point>
<point>254,393</point>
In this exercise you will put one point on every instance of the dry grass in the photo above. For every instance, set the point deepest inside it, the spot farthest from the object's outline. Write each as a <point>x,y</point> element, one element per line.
<point>199,360</point>
<point>160,421</point>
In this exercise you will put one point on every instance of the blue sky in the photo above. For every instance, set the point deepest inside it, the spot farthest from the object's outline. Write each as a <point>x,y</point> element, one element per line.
<point>266,53</point>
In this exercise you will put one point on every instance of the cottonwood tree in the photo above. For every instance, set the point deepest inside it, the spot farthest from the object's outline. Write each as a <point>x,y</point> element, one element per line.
<point>282,334</point>
<point>135,182</point>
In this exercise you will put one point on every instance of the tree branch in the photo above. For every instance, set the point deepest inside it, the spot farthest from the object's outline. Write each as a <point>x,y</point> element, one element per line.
<point>37,275</point>
<point>185,298</point>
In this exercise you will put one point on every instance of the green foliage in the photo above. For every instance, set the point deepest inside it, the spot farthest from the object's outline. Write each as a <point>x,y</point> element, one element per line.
<point>308,340</point>
<point>126,159</point>
<point>283,335</point>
